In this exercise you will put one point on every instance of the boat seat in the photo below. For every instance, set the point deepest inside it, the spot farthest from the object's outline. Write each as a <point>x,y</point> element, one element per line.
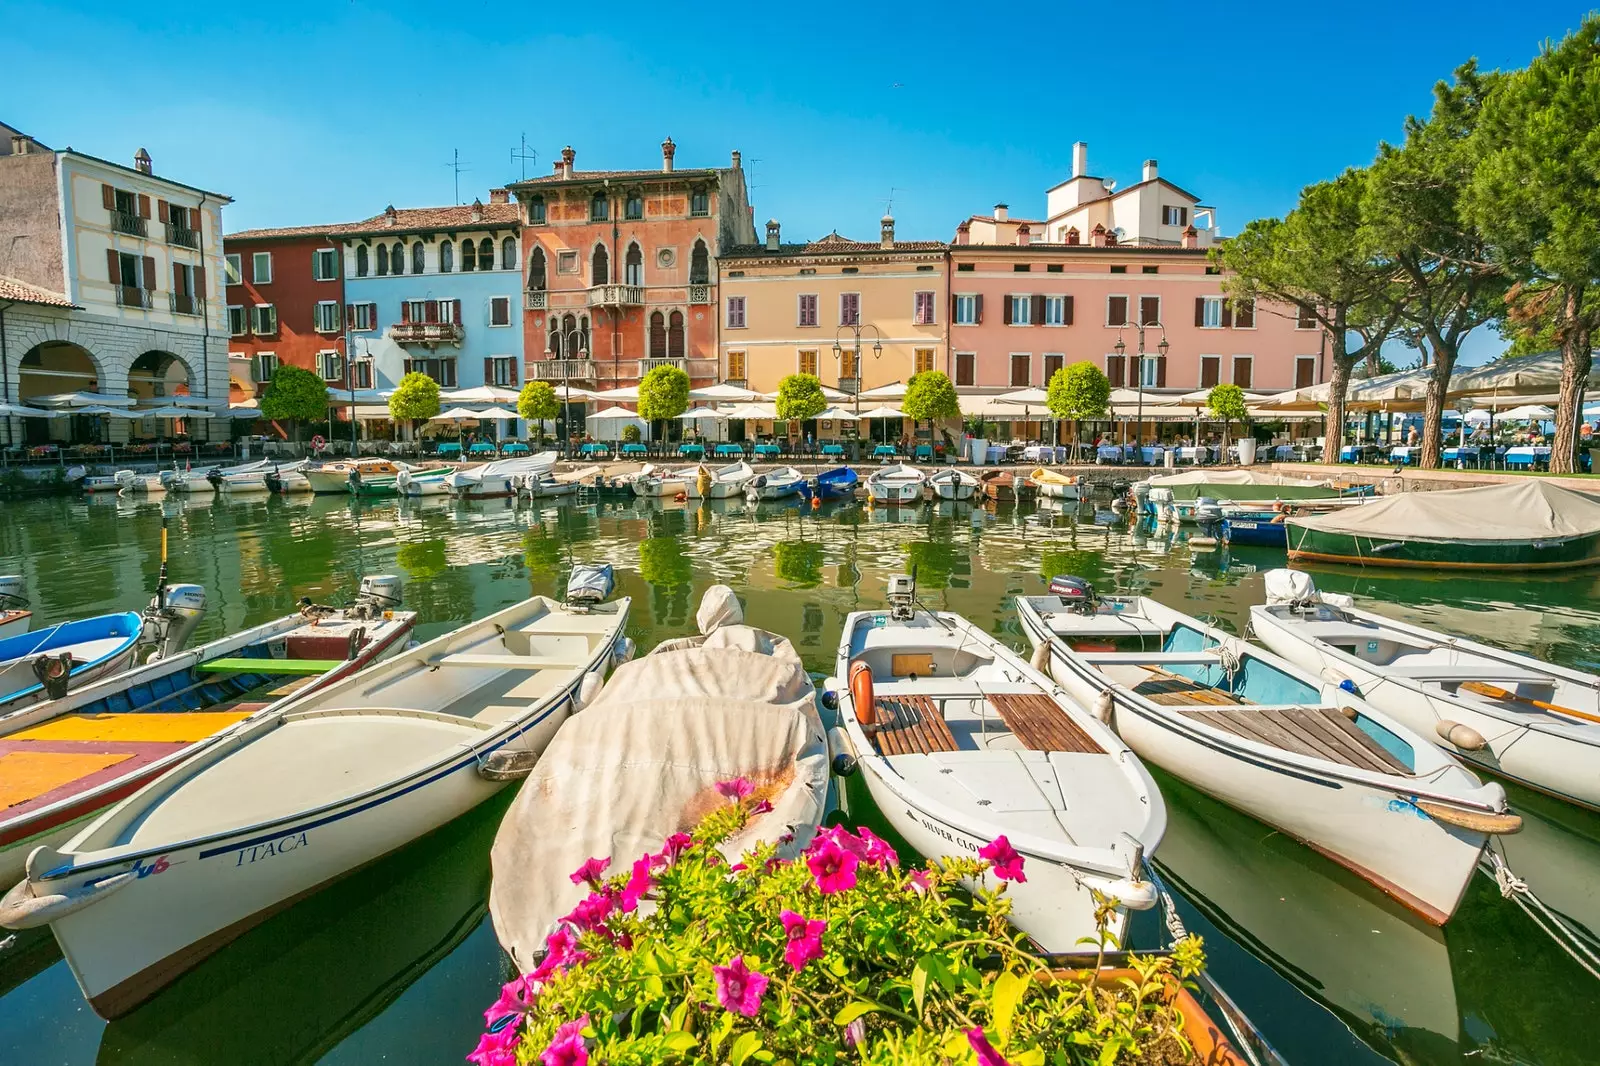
<point>1320,732</point>
<point>909,725</point>
<point>1447,673</point>
<point>505,661</point>
<point>1171,690</point>
<point>1040,723</point>
<point>1141,658</point>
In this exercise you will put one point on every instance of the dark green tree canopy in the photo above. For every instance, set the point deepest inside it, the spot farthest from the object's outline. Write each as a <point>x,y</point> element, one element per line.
<point>295,393</point>
<point>663,394</point>
<point>416,398</point>
<point>930,398</point>
<point>800,397</point>
<point>1080,391</point>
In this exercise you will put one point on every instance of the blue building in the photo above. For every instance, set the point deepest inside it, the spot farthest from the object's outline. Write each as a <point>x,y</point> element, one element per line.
<point>436,290</point>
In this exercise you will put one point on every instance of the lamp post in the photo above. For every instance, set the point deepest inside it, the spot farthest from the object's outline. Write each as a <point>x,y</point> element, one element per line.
<point>855,328</point>
<point>1120,348</point>
<point>571,341</point>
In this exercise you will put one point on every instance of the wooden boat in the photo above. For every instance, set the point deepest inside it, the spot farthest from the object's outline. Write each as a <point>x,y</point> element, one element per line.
<point>1257,528</point>
<point>961,742</point>
<point>384,485</point>
<point>334,478</point>
<point>77,754</point>
<point>1004,486</point>
<point>775,484</point>
<point>287,802</point>
<point>952,484</point>
<point>653,483</point>
<point>895,484</point>
<point>1248,728</point>
<point>1509,714</point>
<point>836,484</point>
<point>1525,525</point>
<point>550,483</point>
<point>1054,485</point>
<point>722,483</point>
<point>503,477</point>
<point>74,653</point>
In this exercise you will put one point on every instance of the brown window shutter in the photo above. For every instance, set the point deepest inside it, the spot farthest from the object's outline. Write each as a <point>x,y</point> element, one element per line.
<point>1114,371</point>
<point>150,272</point>
<point>488,370</point>
<point>513,372</point>
<point>1005,310</point>
<point>108,197</point>
<point>350,315</point>
<point>161,210</point>
<point>405,312</point>
<point>1149,310</point>
<point>144,206</point>
<point>1117,311</point>
<point>1038,309</point>
<point>1199,310</point>
<point>199,283</point>
<point>174,277</point>
<point>1161,371</point>
<point>113,264</point>
<point>1242,372</point>
<point>430,311</point>
<point>194,219</point>
<point>1245,318</point>
<point>952,307</point>
<point>1067,316</point>
<point>457,305</point>
<point>1227,314</point>
<point>372,315</point>
<point>978,301</point>
<point>1209,368</point>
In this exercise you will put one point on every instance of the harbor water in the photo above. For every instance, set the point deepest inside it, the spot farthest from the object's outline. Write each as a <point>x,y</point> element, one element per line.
<point>396,963</point>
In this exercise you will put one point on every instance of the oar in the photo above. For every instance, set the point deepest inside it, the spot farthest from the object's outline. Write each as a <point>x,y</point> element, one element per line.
<point>1483,688</point>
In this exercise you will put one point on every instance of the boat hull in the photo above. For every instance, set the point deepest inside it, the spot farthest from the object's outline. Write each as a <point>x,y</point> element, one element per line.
<point>329,482</point>
<point>953,490</point>
<point>895,492</point>
<point>1255,531</point>
<point>1057,490</point>
<point>1313,545</point>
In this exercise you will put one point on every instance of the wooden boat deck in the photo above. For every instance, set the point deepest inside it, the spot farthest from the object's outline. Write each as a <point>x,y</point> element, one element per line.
<point>1041,725</point>
<point>909,725</point>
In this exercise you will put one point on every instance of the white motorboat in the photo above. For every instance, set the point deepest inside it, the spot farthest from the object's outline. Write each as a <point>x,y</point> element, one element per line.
<point>961,742</point>
<point>499,478</point>
<point>16,614</point>
<point>134,483</point>
<point>1248,728</point>
<point>1054,485</point>
<point>897,483</point>
<point>334,478</point>
<point>550,483</point>
<point>1509,714</point>
<point>288,802</point>
<point>654,483</point>
<point>724,482</point>
<point>263,477</point>
<point>952,484</point>
<point>432,483</point>
<point>775,484</point>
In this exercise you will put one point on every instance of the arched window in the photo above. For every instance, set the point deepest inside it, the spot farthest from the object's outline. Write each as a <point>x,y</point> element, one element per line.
<point>469,255</point>
<point>447,257</point>
<point>554,343</point>
<point>600,268</point>
<point>383,260</point>
<point>536,270</point>
<point>419,258</point>
<point>700,264</point>
<point>508,254</point>
<point>486,254</point>
<point>633,268</point>
<point>583,328</point>
<point>361,260</point>
<point>658,335</point>
<point>397,258</point>
<point>536,210</point>
<point>675,336</point>
<point>599,207</point>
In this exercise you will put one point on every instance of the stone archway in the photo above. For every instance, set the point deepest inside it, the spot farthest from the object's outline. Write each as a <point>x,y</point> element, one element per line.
<point>51,368</point>
<point>157,375</point>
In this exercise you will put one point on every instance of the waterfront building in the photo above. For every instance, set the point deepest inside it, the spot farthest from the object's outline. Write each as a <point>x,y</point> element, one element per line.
<point>285,305</point>
<point>108,289</point>
<point>621,271</point>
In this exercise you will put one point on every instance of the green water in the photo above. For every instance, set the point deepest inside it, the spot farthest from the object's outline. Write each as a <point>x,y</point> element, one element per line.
<point>397,963</point>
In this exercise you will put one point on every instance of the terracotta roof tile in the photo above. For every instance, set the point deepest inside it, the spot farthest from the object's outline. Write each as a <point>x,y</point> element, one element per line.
<point>600,175</point>
<point>21,292</point>
<point>283,232</point>
<point>834,244</point>
<point>428,218</point>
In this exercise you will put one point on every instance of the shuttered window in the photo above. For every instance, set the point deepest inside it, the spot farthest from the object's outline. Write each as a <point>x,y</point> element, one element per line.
<point>1210,370</point>
<point>922,360</point>
<point>1021,370</point>
<point>1244,314</point>
<point>1243,368</point>
<point>1149,310</point>
<point>1116,310</point>
<point>966,368</point>
<point>806,313</point>
<point>736,312</point>
<point>922,313</point>
<point>736,365</point>
<point>808,363</point>
<point>849,308</point>
<point>1117,370</point>
<point>1305,371</point>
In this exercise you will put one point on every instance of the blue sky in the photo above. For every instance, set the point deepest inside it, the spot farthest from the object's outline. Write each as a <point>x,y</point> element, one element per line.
<point>320,112</point>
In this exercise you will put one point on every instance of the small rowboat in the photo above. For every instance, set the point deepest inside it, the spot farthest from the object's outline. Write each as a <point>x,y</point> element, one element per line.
<point>1054,485</point>
<point>334,478</point>
<point>1248,728</point>
<point>286,802</point>
<point>961,742</point>
<point>421,483</point>
<point>836,484</point>
<point>550,483</point>
<point>1509,714</point>
<point>385,485</point>
<point>15,615</point>
<point>1261,528</point>
<point>896,484</point>
<point>724,483</point>
<point>1004,486</point>
<point>68,653</point>
<point>951,484</point>
<point>775,484</point>
<point>656,483</point>
<point>261,478</point>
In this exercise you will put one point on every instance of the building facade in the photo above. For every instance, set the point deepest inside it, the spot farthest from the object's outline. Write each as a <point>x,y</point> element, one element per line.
<point>122,267</point>
<point>621,274</point>
<point>785,308</point>
<point>285,304</point>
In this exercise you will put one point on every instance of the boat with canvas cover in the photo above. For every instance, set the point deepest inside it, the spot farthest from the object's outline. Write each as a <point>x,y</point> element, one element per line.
<point>499,478</point>
<point>1496,710</point>
<point>775,484</point>
<point>1528,524</point>
<point>550,483</point>
<point>1250,729</point>
<point>333,479</point>
<point>1054,485</point>
<point>193,481</point>
<point>836,484</point>
<point>961,742</point>
<point>895,484</point>
<point>67,758</point>
<point>952,484</point>
<point>616,480</point>
<point>644,760</point>
<point>286,803</point>
<point>1241,486</point>
<point>722,483</point>
<point>262,478</point>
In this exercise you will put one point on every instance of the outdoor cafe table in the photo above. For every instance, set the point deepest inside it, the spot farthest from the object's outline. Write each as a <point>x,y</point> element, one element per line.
<point>696,450</point>
<point>1194,454</point>
<point>883,451</point>
<point>1049,453</point>
<point>1459,454</point>
<point>1402,454</point>
<point>1527,456</point>
<point>1350,453</point>
<point>515,448</point>
<point>769,449</point>
<point>1105,451</point>
<point>449,447</point>
<point>482,447</point>
<point>730,449</point>
<point>635,449</point>
<point>595,448</point>
<point>833,449</point>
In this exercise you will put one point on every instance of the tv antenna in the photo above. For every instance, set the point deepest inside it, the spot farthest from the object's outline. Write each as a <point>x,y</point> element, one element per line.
<point>888,204</point>
<point>456,165</point>
<point>524,155</point>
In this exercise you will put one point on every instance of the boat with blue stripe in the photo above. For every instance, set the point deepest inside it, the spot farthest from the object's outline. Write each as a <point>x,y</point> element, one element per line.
<point>75,652</point>
<point>836,484</point>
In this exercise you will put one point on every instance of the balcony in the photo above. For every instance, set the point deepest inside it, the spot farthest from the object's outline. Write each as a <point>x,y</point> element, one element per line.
<point>133,296</point>
<point>850,386</point>
<point>579,370</point>
<point>536,300</point>
<point>616,296</point>
<point>699,294</point>
<point>736,383</point>
<point>647,365</point>
<point>182,236</point>
<point>130,223</point>
<point>429,333</point>
<point>183,304</point>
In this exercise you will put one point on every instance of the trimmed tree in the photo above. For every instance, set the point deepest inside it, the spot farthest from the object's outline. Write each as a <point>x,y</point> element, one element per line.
<point>800,398</point>
<point>663,394</point>
<point>415,399</point>
<point>538,404</point>
<point>930,398</point>
<point>296,395</point>
<point>1077,393</point>
<point>1227,403</point>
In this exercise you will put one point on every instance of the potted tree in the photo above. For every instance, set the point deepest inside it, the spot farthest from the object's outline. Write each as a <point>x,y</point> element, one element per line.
<point>663,394</point>
<point>1226,402</point>
<point>930,397</point>
<point>415,399</point>
<point>538,404</point>
<point>1077,393</point>
<point>297,395</point>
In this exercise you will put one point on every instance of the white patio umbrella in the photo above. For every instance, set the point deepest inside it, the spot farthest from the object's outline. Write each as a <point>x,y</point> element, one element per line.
<point>568,394</point>
<point>244,410</point>
<point>498,413</point>
<point>608,424</point>
<point>625,395</point>
<point>724,392</point>
<point>99,409</point>
<point>17,410</point>
<point>884,412</point>
<point>482,394</point>
<point>1527,413</point>
<point>838,413</point>
<point>829,394</point>
<point>1526,375</point>
<point>895,390</point>
<point>457,414</point>
<point>760,411</point>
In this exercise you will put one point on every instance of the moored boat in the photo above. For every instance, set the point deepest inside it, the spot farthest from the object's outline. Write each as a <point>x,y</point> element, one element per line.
<point>1240,486</point>
<point>261,477</point>
<point>502,477</point>
<point>836,484</point>
<point>775,484</point>
<point>384,485</point>
<point>1054,485</point>
<point>1006,486</point>
<point>421,483</point>
<point>722,483</point>
<point>961,742</point>
<point>896,484</point>
<point>651,482</point>
<point>550,483</point>
<point>16,614</point>
<point>334,478</point>
<point>1508,714</point>
<point>1256,528</point>
<point>1248,728</point>
<point>952,484</point>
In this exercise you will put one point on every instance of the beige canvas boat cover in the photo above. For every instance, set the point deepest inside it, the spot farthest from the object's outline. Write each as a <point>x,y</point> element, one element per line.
<point>643,762</point>
<point>1520,511</point>
<point>1232,477</point>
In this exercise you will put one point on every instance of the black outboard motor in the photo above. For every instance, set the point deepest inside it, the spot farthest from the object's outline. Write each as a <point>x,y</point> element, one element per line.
<point>1208,516</point>
<point>273,481</point>
<point>214,475</point>
<point>1075,593</point>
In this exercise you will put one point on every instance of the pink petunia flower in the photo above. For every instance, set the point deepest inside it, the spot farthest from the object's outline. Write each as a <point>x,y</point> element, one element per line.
<point>1007,862</point>
<point>676,845</point>
<point>764,807</point>
<point>514,999</point>
<point>591,912</point>
<point>566,1048</point>
<point>737,789</point>
<point>804,939</point>
<point>639,883</point>
<point>877,849</point>
<point>590,872</point>
<point>855,1034</point>
<point>845,839</point>
<point>495,1050</point>
<point>987,1055</point>
<point>739,988</point>
<point>833,867</point>
<point>921,883</point>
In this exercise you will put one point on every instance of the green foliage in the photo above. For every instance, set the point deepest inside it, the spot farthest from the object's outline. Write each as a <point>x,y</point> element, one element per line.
<point>886,966</point>
<point>631,433</point>
<point>415,398</point>
<point>1080,392</point>
<point>295,394</point>
<point>537,402</point>
<point>1227,403</point>
<point>800,397</point>
<point>930,398</point>
<point>663,394</point>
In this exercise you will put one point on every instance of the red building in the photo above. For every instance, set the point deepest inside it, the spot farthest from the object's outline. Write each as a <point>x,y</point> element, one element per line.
<point>285,292</point>
<point>620,268</point>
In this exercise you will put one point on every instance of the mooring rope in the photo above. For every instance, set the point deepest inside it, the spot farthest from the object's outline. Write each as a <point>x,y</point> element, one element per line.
<point>1517,891</point>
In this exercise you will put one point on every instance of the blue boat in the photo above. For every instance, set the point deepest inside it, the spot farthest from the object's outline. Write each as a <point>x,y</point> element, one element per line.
<point>72,652</point>
<point>836,484</point>
<point>1256,528</point>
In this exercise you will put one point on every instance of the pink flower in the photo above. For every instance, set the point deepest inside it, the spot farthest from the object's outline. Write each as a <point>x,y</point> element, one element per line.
<point>590,872</point>
<point>591,912</point>
<point>877,849</point>
<point>805,939</point>
<point>676,845</point>
<point>1007,862</point>
<point>566,1047</point>
<point>987,1055</point>
<point>514,999</point>
<point>737,789</point>
<point>833,867</point>
<point>560,952</point>
<point>921,883</point>
<point>855,1033</point>
<point>495,1049</point>
<point>764,807</point>
<point>739,988</point>
<point>845,839</point>
<point>638,884</point>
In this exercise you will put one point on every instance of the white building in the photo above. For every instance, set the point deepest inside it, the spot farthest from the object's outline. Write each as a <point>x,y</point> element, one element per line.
<point>110,286</point>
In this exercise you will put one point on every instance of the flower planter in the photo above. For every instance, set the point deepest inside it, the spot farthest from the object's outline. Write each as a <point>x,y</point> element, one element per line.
<point>1207,1036</point>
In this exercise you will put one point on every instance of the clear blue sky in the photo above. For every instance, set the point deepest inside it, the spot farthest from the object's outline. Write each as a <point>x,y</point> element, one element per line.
<point>320,112</point>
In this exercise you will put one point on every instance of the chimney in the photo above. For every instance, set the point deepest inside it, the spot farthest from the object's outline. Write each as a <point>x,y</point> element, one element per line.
<point>736,159</point>
<point>772,235</point>
<point>964,233</point>
<point>141,162</point>
<point>1000,212</point>
<point>567,156</point>
<point>886,232</point>
<point>1097,236</point>
<point>20,144</point>
<point>1191,237</point>
<point>1080,159</point>
<point>391,217</point>
<point>1149,170</point>
<point>477,210</point>
<point>499,196</point>
<point>667,151</point>
<point>557,165</point>
<point>1024,234</point>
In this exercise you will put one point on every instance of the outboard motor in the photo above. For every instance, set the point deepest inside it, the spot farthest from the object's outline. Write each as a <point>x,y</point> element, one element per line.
<point>902,597</point>
<point>1208,516</point>
<point>1075,593</point>
<point>214,475</point>
<point>171,618</point>
<point>379,593</point>
<point>402,483</point>
<point>752,492</point>
<point>273,480</point>
<point>168,479</point>
<point>589,584</point>
<point>354,480</point>
<point>127,481</point>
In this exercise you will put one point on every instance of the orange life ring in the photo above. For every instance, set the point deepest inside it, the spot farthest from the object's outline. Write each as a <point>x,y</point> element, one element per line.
<point>861,692</point>
<point>317,443</point>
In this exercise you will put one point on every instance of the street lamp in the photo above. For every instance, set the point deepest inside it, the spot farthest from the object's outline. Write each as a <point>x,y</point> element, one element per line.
<point>1120,348</point>
<point>571,341</point>
<point>855,329</point>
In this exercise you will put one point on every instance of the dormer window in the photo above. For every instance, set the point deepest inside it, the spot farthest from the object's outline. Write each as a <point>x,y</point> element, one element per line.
<point>599,207</point>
